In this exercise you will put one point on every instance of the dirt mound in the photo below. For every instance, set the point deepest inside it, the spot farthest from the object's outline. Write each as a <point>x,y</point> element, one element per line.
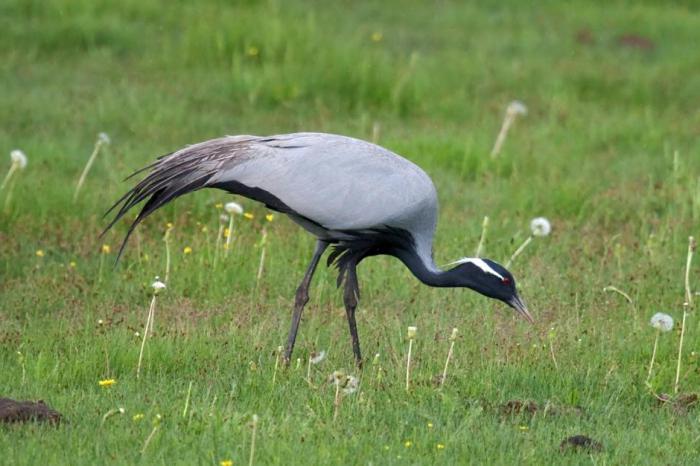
<point>12,411</point>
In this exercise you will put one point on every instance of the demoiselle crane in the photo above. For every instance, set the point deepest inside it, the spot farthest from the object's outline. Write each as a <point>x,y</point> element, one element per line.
<point>359,197</point>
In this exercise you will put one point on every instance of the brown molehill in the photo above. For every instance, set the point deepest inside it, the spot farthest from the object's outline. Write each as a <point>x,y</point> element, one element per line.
<point>580,443</point>
<point>12,411</point>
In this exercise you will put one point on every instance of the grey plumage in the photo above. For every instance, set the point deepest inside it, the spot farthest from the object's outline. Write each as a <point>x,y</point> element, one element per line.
<point>360,197</point>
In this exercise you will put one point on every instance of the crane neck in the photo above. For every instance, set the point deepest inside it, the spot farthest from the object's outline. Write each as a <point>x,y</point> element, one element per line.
<point>424,269</point>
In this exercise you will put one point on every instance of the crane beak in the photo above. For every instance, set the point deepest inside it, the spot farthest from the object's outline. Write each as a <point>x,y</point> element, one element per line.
<point>518,304</point>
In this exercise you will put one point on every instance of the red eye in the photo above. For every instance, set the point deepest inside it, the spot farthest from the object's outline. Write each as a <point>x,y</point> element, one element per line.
<point>506,281</point>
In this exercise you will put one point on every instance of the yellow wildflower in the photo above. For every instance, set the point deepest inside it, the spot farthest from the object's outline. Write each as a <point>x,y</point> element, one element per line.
<point>252,51</point>
<point>430,425</point>
<point>40,253</point>
<point>377,36</point>
<point>248,215</point>
<point>219,205</point>
<point>523,428</point>
<point>187,250</point>
<point>270,217</point>
<point>137,417</point>
<point>226,232</point>
<point>106,249</point>
<point>107,382</point>
<point>407,444</point>
<point>225,463</point>
<point>72,264</point>
<point>205,229</point>
<point>169,225</point>
<point>440,446</point>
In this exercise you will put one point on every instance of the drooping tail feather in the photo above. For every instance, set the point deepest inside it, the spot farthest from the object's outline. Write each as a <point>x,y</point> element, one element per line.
<point>173,175</point>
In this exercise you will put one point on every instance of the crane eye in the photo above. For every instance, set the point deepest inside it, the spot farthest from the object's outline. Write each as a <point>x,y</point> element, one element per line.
<point>506,281</point>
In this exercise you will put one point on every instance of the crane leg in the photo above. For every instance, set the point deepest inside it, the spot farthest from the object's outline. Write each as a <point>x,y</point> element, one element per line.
<point>301,298</point>
<point>350,298</point>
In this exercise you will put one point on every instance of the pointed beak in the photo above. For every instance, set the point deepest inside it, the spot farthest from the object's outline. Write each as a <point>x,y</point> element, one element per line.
<point>518,304</point>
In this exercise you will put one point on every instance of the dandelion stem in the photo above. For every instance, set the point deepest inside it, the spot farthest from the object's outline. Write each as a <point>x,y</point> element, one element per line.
<point>518,251</point>
<point>500,139</point>
<point>149,438</point>
<point>10,172</point>
<point>680,349</point>
<point>252,440</point>
<point>482,239</point>
<point>263,243</point>
<point>187,400</point>
<point>277,363</point>
<point>691,249</point>
<point>230,234</point>
<point>148,325</point>
<point>653,357</point>
<point>408,364</point>
<point>166,239</point>
<point>447,362</point>
<point>336,401</point>
<point>88,165</point>
<point>217,244</point>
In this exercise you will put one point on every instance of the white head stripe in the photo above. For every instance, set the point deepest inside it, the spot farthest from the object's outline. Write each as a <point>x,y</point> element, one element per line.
<point>479,263</point>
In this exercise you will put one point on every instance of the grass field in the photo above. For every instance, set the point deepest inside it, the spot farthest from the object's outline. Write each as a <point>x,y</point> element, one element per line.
<point>609,152</point>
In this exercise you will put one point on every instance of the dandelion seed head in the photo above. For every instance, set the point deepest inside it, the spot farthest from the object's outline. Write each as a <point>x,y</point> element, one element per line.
<point>453,337</point>
<point>317,357</point>
<point>19,158</point>
<point>158,285</point>
<point>540,226</point>
<point>233,208</point>
<point>103,138</point>
<point>516,107</point>
<point>352,383</point>
<point>661,321</point>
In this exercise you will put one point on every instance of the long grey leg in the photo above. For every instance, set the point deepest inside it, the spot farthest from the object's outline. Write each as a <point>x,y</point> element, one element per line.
<point>350,298</point>
<point>302,297</point>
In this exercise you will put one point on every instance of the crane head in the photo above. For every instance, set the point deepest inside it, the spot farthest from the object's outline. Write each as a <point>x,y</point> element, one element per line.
<point>493,280</point>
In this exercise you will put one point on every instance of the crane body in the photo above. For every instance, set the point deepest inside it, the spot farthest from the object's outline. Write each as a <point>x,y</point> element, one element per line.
<point>361,198</point>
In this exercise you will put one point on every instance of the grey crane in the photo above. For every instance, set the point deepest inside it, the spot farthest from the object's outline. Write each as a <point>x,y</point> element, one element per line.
<point>359,197</point>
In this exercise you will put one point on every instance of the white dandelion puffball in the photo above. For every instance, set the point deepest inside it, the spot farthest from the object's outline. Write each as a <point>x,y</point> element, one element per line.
<point>103,138</point>
<point>317,357</point>
<point>540,226</point>
<point>223,218</point>
<point>412,332</point>
<point>19,158</point>
<point>158,285</point>
<point>233,208</point>
<point>516,107</point>
<point>661,321</point>
<point>352,383</point>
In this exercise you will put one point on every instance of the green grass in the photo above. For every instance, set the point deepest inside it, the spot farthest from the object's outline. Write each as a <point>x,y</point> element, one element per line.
<point>595,155</point>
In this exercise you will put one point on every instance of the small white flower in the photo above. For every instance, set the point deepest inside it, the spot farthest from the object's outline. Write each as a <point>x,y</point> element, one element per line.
<point>157,286</point>
<point>103,138</point>
<point>19,158</point>
<point>317,357</point>
<point>223,218</point>
<point>351,385</point>
<point>516,107</point>
<point>540,226</point>
<point>662,322</point>
<point>233,208</point>
<point>412,332</point>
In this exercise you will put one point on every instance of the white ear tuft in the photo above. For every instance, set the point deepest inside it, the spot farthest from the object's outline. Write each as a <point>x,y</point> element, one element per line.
<point>479,263</point>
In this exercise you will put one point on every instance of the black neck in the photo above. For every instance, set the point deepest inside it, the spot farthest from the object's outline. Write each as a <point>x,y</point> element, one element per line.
<point>427,272</point>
